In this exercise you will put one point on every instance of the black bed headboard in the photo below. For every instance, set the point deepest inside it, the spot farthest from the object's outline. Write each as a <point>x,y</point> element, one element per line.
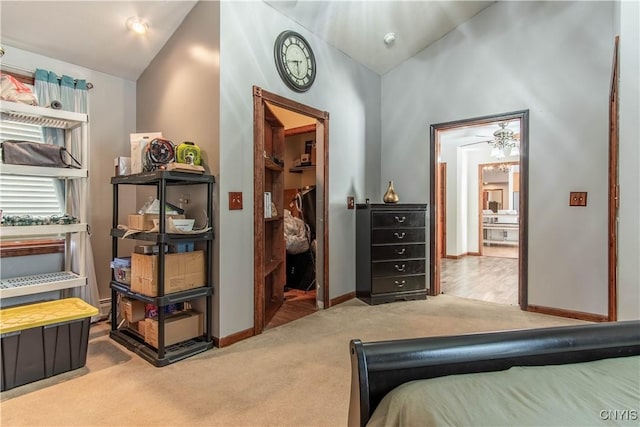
<point>379,367</point>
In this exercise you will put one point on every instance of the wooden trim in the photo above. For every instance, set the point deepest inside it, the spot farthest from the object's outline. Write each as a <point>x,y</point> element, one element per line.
<point>289,104</point>
<point>322,125</point>
<point>589,317</point>
<point>325,183</point>
<point>480,209</point>
<point>300,130</point>
<point>442,200</point>
<point>258,211</point>
<point>614,189</point>
<point>343,298</point>
<point>32,247</point>
<point>523,212</point>
<point>434,204</point>
<point>233,338</point>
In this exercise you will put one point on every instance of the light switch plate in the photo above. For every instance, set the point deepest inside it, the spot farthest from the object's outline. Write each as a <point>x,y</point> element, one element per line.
<point>350,202</point>
<point>235,200</point>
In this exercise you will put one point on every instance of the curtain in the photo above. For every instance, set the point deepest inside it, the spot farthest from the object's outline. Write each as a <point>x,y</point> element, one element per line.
<point>47,91</point>
<point>73,96</point>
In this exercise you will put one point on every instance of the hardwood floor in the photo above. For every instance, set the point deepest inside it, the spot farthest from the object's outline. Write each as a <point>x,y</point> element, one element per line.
<point>297,304</point>
<point>484,278</point>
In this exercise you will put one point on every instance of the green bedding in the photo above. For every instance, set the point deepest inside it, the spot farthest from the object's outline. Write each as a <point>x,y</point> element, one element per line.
<point>605,392</point>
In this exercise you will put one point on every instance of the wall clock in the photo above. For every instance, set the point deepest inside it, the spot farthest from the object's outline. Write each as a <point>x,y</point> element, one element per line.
<point>295,61</point>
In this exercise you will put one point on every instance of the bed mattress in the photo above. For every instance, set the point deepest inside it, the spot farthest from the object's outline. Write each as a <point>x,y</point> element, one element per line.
<point>603,392</point>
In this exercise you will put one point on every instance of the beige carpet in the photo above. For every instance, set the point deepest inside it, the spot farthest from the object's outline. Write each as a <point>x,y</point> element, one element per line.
<point>297,374</point>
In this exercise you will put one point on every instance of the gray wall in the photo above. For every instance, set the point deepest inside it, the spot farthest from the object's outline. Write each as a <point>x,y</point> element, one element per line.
<point>179,95</point>
<point>184,94</point>
<point>348,91</point>
<point>553,58</point>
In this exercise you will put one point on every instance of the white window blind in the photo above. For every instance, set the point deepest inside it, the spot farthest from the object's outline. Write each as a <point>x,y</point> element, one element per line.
<point>28,195</point>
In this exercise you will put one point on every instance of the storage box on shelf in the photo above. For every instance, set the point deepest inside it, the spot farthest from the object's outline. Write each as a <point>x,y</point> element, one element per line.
<point>145,222</point>
<point>163,279</point>
<point>182,271</point>
<point>56,280</point>
<point>178,327</point>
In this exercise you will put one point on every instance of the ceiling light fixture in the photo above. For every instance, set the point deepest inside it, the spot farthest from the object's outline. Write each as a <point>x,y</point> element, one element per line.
<point>504,140</point>
<point>137,25</point>
<point>389,38</point>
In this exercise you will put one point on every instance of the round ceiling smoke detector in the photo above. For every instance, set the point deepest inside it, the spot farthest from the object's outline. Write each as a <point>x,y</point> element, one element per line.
<point>389,38</point>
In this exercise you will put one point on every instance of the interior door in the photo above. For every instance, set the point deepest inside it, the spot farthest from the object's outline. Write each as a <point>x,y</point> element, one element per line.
<point>274,246</point>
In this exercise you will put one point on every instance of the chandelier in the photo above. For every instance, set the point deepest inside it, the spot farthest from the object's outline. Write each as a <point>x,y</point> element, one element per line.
<point>504,143</point>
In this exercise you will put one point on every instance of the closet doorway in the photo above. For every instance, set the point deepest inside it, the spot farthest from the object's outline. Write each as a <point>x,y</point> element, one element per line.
<point>482,211</point>
<point>291,239</point>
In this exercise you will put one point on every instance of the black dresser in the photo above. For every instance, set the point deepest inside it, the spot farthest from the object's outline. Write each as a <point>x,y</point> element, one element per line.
<point>391,252</point>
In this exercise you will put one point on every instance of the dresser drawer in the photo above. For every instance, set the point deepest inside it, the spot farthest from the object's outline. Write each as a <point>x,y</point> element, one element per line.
<point>397,235</point>
<point>379,253</point>
<point>398,219</point>
<point>397,268</point>
<point>398,284</point>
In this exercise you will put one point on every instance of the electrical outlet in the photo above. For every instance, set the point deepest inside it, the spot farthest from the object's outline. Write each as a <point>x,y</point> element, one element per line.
<point>351,202</point>
<point>578,198</point>
<point>235,200</point>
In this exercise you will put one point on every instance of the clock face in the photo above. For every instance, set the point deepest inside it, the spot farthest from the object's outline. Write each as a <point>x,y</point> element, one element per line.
<point>295,61</point>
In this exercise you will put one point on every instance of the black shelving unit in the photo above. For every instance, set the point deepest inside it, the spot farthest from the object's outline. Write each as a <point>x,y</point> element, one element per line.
<point>163,355</point>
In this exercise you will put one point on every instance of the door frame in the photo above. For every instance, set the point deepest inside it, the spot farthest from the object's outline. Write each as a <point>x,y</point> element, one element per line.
<point>434,197</point>
<point>260,97</point>
<point>614,188</point>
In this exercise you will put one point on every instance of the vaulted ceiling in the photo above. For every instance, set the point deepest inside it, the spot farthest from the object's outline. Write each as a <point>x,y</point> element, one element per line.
<point>93,34</point>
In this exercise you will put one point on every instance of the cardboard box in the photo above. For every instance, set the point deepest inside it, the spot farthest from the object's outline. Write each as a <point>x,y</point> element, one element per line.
<point>140,327</point>
<point>178,327</point>
<point>132,310</point>
<point>182,271</point>
<point>145,221</point>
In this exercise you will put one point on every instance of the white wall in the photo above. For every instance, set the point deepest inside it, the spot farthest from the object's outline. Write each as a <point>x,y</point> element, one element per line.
<point>112,104</point>
<point>554,59</point>
<point>348,91</point>
<point>629,132</point>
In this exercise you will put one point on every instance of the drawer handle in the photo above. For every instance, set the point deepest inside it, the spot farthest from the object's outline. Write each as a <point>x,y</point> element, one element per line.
<point>400,252</point>
<point>401,283</point>
<point>401,269</point>
<point>400,236</point>
<point>401,220</point>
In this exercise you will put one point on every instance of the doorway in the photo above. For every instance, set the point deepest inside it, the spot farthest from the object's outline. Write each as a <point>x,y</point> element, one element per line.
<point>465,202</point>
<point>270,169</point>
